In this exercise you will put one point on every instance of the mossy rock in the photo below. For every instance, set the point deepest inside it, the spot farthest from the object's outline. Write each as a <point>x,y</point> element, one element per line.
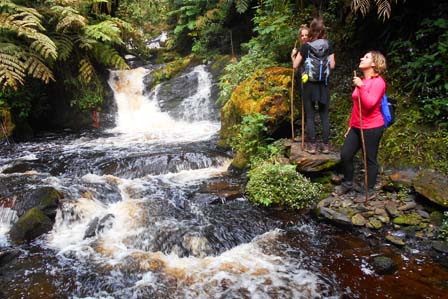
<point>30,226</point>
<point>432,185</point>
<point>172,69</point>
<point>240,161</point>
<point>408,219</point>
<point>265,92</point>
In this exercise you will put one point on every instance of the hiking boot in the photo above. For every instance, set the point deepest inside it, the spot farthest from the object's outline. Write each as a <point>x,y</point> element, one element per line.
<point>312,149</point>
<point>343,188</point>
<point>325,148</point>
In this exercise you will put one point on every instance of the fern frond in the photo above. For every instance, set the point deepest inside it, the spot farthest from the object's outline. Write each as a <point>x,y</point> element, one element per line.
<point>361,5</point>
<point>108,56</point>
<point>12,71</point>
<point>242,5</point>
<point>384,8</point>
<point>68,18</point>
<point>36,68</point>
<point>86,70</point>
<point>43,45</point>
<point>64,43</point>
<point>106,31</point>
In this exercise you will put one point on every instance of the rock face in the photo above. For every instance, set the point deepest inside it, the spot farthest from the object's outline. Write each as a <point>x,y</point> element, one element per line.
<point>433,186</point>
<point>311,163</point>
<point>384,265</point>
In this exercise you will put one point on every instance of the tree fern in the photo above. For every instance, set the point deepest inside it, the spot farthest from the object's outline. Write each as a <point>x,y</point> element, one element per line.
<point>384,7</point>
<point>64,44</point>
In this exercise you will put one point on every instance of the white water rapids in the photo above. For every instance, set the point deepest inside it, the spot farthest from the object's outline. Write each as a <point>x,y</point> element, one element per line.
<point>154,241</point>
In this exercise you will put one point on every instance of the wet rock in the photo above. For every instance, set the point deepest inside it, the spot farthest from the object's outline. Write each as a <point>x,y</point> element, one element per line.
<point>374,223</point>
<point>325,202</point>
<point>440,246</point>
<point>91,228</point>
<point>395,240</point>
<point>359,220</point>
<point>432,185</point>
<point>206,199</point>
<point>423,214</point>
<point>8,255</point>
<point>409,219</point>
<point>384,219</point>
<point>391,208</point>
<point>381,212</point>
<point>404,177</point>
<point>46,199</point>
<point>334,216</point>
<point>384,265</point>
<point>408,206</point>
<point>96,226</point>
<point>30,226</point>
<point>312,163</point>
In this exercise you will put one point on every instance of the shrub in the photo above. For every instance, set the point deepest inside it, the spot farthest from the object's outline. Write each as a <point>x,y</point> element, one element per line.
<point>443,232</point>
<point>281,184</point>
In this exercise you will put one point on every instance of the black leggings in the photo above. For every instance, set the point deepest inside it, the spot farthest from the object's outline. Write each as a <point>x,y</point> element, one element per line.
<point>310,126</point>
<point>351,146</point>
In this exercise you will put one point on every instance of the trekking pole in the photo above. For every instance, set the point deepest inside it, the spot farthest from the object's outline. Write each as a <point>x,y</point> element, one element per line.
<point>292,100</point>
<point>303,117</point>
<point>363,142</point>
<point>4,133</point>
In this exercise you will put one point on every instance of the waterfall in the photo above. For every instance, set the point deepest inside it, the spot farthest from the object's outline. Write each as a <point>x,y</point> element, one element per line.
<point>139,114</point>
<point>7,217</point>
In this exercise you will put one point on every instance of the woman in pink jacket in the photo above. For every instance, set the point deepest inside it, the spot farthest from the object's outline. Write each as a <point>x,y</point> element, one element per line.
<point>371,89</point>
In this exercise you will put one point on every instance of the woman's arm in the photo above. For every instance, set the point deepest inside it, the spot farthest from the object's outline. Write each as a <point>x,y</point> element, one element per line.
<point>297,61</point>
<point>332,61</point>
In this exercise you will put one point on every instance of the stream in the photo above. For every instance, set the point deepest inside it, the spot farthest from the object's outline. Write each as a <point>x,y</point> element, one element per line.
<point>150,211</point>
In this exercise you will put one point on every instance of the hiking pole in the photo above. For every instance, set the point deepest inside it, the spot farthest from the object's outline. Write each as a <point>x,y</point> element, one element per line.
<point>292,99</point>
<point>363,142</point>
<point>303,117</point>
<point>4,133</point>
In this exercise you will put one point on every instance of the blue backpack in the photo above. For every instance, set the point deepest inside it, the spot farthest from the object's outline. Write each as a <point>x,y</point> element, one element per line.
<point>388,106</point>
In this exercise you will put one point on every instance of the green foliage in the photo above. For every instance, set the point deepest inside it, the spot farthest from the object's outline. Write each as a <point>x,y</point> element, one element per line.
<point>421,63</point>
<point>281,184</point>
<point>235,73</point>
<point>443,231</point>
<point>274,26</point>
<point>412,142</point>
<point>86,96</point>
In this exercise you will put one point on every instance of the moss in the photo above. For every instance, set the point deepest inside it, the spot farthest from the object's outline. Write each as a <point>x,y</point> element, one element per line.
<point>173,68</point>
<point>265,92</point>
<point>31,225</point>
<point>240,161</point>
<point>409,219</point>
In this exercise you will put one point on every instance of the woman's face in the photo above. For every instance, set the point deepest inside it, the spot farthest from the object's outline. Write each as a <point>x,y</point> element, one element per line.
<point>366,61</point>
<point>304,36</point>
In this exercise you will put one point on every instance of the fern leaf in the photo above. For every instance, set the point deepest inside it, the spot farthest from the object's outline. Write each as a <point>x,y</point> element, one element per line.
<point>108,56</point>
<point>361,5</point>
<point>68,17</point>
<point>43,45</point>
<point>36,68</point>
<point>86,70</point>
<point>105,31</point>
<point>242,5</point>
<point>384,8</point>
<point>12,71</point>
<point>64,44</point>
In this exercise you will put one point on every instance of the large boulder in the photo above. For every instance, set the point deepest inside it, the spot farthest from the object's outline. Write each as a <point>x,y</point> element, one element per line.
<point>45,199</point>
<point>432,185</point>
<point>265,92</point>
<point>31,225</point>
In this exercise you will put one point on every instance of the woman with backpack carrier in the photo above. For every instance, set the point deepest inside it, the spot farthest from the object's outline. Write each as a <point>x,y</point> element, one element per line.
<point>317,57</point>
<point>368,94</point>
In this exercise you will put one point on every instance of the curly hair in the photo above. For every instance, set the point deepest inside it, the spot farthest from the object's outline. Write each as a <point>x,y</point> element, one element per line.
<point>380,62</point>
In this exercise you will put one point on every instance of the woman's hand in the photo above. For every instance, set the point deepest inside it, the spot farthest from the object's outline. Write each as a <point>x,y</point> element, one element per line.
<point>357,81</point>
<point>293,53</point>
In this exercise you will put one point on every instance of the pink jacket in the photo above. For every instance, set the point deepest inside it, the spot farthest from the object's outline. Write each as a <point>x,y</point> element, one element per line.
<point>371,95</point>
